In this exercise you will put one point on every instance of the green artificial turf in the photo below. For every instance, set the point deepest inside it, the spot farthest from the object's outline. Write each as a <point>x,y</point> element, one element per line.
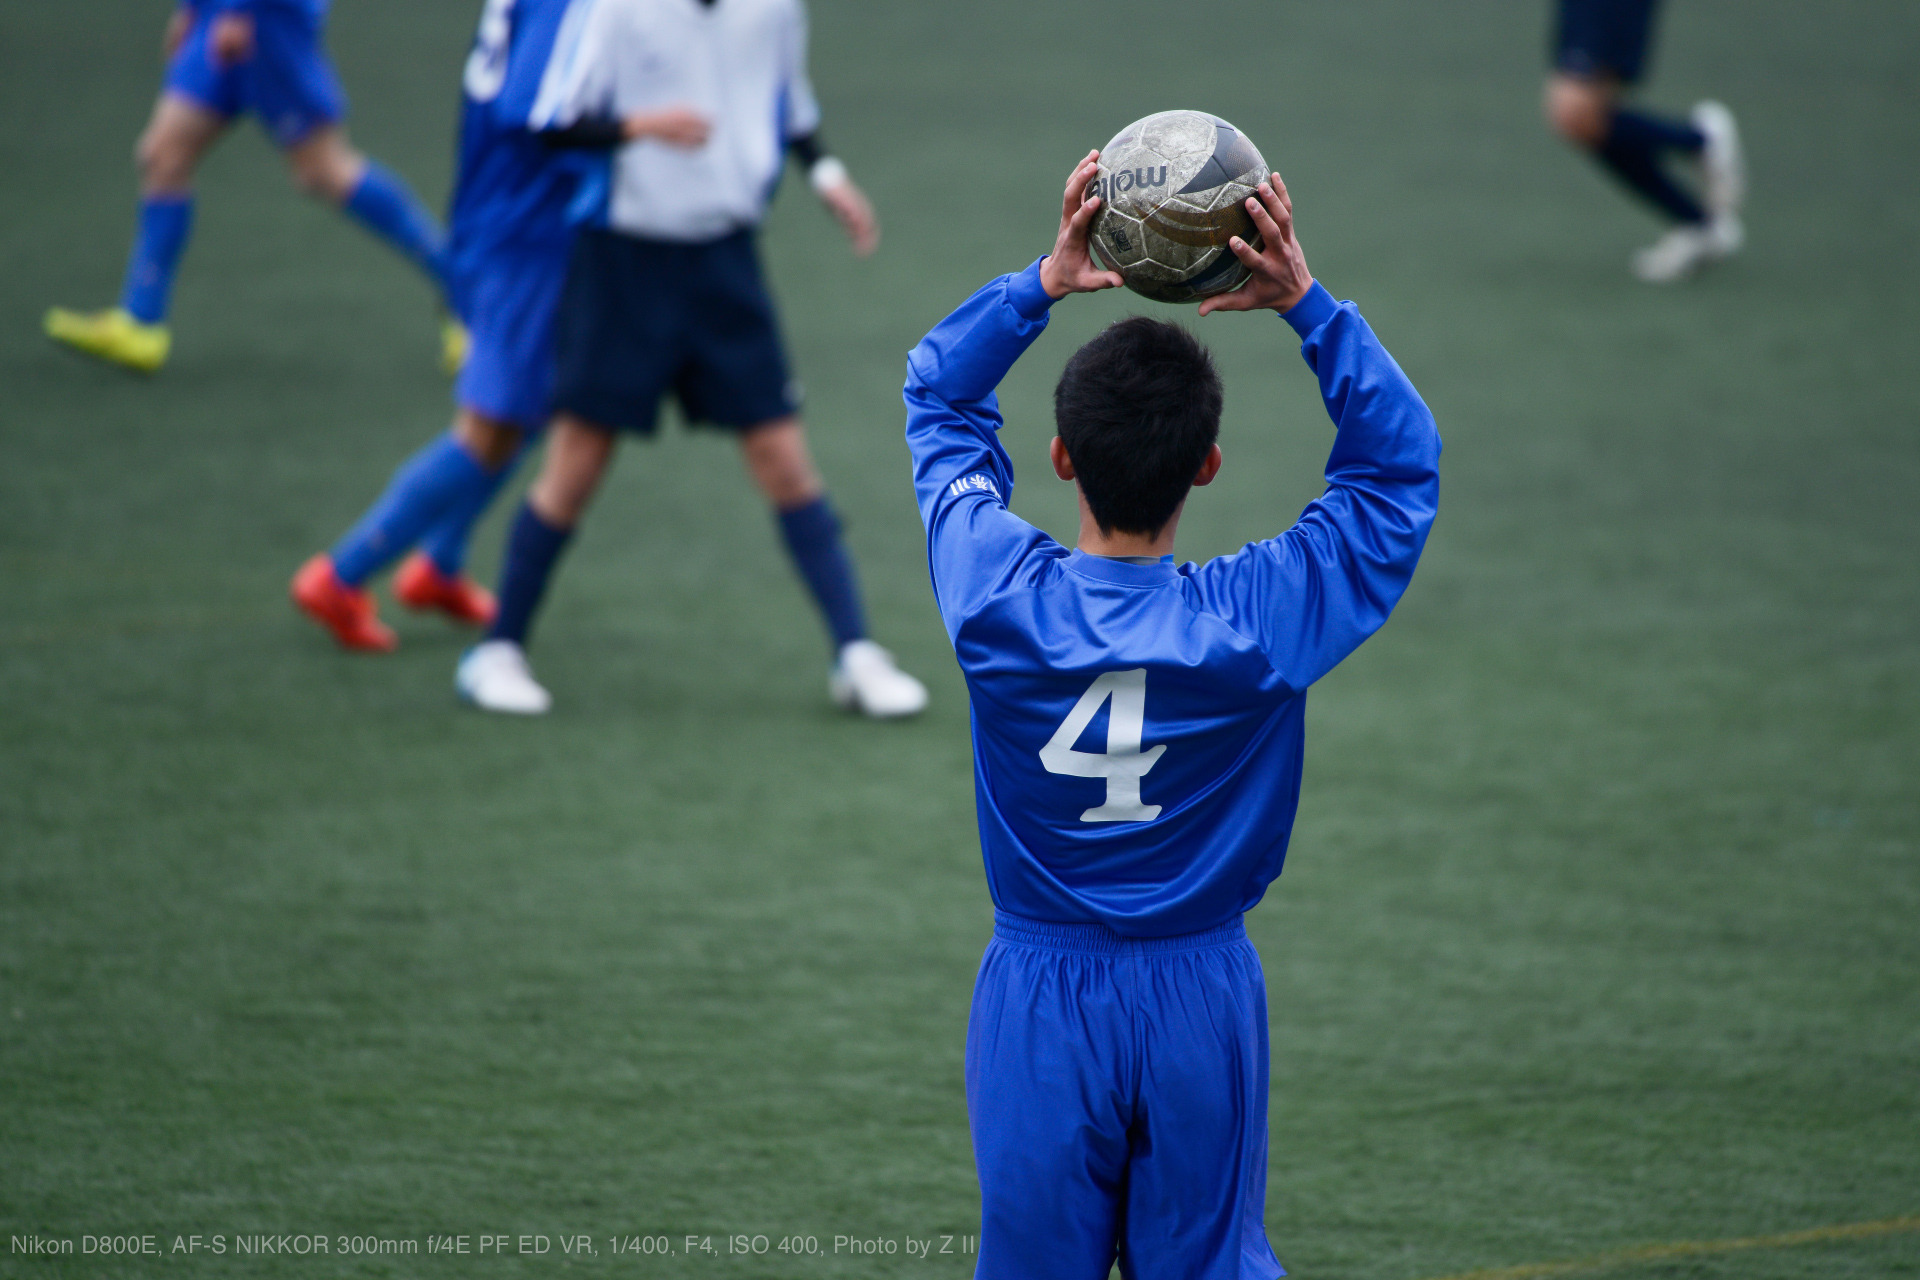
<point>1600,923</point>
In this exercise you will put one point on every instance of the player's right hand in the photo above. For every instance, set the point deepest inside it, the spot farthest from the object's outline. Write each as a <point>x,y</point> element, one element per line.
<point>1070,267</point>
<point>230,39</point>
<point>681,127</point>
<point>1280,277</point>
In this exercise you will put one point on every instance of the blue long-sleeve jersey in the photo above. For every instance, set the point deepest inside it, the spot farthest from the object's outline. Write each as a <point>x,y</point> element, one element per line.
<point>1137,729</point>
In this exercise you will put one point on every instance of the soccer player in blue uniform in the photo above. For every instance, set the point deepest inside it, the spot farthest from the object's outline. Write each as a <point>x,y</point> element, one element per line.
<point>1599,51</point>
<point>509,237</point>
<point>694,106</point>
<point>226,58</point>
<point>1137,734</point>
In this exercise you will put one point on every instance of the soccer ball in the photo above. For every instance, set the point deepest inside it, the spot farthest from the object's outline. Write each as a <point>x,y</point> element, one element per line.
<point>1173,189</point>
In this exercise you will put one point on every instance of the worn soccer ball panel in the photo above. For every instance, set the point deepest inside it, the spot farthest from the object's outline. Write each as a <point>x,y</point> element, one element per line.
<point>1122,242</point>
<point>1173,187</point>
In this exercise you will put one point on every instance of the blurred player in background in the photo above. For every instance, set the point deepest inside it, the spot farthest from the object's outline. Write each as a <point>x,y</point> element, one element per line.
<point>1600,48</point>
<point>696,103</point>
<point>506,262</point>
<point>226,58</point>
<point>1117,1046</point>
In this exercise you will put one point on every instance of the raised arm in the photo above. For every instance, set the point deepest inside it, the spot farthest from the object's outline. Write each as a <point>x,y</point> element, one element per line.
<point>1310,596</point>
<point>826,173</point>
<point>962,476</point>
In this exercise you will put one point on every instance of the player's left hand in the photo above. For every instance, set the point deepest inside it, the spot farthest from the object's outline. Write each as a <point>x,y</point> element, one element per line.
<point>850,205</point>
<point>1070,267</point>
<point>1280,277</point>
<point>230,39</point>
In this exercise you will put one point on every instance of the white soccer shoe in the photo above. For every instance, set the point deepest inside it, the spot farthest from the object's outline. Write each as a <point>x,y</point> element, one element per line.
<point>866,680</point>
<point>494,676</point>
<point>1724,166</point>
<point>1684,250</point>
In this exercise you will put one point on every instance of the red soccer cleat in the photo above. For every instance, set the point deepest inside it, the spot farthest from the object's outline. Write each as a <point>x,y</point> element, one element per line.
<point>421,585</point>
<point>348,613</point>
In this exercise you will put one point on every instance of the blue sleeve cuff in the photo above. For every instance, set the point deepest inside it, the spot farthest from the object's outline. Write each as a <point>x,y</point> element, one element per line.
<point>1315,308</point>
<point>1028,296</point>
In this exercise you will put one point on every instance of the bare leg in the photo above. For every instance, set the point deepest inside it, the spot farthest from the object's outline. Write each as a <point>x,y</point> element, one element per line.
<point>578,455</point>
<point>491,442</point>
<point>1579,109</point>
<point>178,135</point>
<point>780,464</point>
<point>329,168</point>
<point>325,165</point>
<point>777,458</point>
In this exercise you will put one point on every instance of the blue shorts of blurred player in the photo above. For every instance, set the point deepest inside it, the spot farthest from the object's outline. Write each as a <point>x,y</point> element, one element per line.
<point>510,305</point>
<point>288,83</point>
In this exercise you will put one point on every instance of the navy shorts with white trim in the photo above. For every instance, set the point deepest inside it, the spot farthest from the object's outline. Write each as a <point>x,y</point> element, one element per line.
<point>1117,1090</point>
<point>640,318</point>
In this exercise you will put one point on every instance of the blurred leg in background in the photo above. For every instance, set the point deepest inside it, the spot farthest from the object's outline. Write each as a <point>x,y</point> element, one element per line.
<point>1600,48</point>
<point>270,62</point>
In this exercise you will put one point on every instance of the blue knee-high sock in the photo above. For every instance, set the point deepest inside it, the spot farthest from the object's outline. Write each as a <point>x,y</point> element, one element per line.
<point>446,542</point>
<point>812,534</point>
<point>533,547</point>
<point>158,241</point>
<point>386,206</point>
<point>1632,151</point>
<point>432,482</point>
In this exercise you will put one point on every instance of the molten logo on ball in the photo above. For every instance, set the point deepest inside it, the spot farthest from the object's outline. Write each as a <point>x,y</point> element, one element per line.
<point>1173,188</point>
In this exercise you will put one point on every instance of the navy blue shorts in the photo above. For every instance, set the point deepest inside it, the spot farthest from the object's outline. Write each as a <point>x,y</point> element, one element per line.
<point>1603,39</point>
<point>640,318</point>
<point>1117,1090</point>
<point>509,301</point>
<point>289,83</point>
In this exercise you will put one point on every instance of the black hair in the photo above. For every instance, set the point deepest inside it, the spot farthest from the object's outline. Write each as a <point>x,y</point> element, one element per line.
<point>1138,408</point>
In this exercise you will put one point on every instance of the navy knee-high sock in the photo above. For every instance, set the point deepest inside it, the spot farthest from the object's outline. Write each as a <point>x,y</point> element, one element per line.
<point>533,547</point>
<point>1632,152</point>
<point>812,535</point>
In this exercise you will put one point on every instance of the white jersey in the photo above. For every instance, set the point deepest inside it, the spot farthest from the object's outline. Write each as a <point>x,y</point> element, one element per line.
<point>740,63</point>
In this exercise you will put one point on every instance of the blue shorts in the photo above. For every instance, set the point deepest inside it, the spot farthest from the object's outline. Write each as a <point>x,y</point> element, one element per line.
<point>508,301</point>
<point>288,82</point>
<point>1603,39</point>
<point>641,318</point>
<point>1117,1090</point>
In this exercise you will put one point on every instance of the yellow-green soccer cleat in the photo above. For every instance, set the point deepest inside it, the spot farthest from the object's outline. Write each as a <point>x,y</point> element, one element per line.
<point>453,346</point>
<point>111,335</point>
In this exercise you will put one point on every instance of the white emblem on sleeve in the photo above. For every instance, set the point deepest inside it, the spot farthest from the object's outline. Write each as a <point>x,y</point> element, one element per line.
<point>486,71</point>
<point>978,482</point>
<point>1124,764</point>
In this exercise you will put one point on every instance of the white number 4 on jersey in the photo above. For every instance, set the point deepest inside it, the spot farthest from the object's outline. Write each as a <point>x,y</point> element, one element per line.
<point>1124,764</point>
